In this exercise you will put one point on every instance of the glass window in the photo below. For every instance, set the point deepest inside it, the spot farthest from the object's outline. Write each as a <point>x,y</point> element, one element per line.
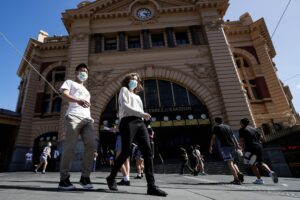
<point>255,93</point>
<point>180,95</point>
<point>158,40</point>
<point>182,38</point>
<point>134,42</point>
<point>193,100</point>
<point>110,44</point>
<point>56,105</point>
<point>52,103</point>
<point>151,94</point>
<point>59,76</point>
<point>165,94</point>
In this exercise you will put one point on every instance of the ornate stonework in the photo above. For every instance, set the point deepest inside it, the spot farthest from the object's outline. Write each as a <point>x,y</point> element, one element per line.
<point>98,79</point>
<point>214,25</point>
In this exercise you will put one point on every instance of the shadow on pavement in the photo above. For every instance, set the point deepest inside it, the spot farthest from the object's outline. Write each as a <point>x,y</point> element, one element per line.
<point>77,190</point>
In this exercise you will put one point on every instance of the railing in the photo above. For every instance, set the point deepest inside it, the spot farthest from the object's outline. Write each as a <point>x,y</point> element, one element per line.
<point>281,133</point>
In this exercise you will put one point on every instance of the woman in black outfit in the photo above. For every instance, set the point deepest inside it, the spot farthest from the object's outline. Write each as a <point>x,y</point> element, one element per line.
<point>132,126</point>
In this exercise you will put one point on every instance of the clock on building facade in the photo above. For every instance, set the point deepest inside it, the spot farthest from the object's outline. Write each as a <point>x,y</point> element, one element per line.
<point>144,13</point>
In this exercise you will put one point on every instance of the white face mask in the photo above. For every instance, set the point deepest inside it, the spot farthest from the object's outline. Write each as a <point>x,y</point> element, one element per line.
<point>82,76</point>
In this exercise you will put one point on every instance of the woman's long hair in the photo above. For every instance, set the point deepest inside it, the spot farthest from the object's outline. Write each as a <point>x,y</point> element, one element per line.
<point>129,77</point>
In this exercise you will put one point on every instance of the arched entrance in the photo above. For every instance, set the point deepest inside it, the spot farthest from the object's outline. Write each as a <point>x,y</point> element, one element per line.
<point>179,119</point>
<point>39,144</point>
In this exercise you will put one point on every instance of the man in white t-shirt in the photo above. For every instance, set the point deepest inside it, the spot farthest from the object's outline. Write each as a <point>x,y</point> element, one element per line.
<point>78,121</point>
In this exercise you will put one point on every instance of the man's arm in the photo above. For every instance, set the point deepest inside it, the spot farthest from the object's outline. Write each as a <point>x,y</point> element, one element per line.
<point>242,142</point>
<point>66,95</point>
<point>237,145</point>
<point>212,140</point>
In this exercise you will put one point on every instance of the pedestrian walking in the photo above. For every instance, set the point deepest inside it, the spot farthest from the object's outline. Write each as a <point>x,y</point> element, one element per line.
<point>139,161</point>
<point>132,126</point>
<point>199,167</point>
<point>249,139</point>
<point>125,168</point>
<point>28,160</point>
<point>185,164</point>
<point>44,158</point>
<point>95,161</point>
<point>228,148</point>
<point>78,121</point>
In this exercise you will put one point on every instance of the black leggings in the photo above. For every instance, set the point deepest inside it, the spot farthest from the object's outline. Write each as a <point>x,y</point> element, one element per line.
<point>134,128</point>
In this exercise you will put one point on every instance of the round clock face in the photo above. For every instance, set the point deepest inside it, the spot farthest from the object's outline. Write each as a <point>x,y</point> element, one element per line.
<point>144,13</point>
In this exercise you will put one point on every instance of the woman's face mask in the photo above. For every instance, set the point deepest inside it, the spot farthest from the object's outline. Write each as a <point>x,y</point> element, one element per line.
<point>82,76</point>
<point>132,84</point>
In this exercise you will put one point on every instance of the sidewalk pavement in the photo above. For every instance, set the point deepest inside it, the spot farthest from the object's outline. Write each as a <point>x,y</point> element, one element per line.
<point>31,186</point>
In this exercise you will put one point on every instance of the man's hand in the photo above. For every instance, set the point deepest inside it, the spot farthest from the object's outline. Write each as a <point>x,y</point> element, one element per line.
<point>83,103</point>
<point>114,130</point>
<point>146,116</point>
<point>210,149</point>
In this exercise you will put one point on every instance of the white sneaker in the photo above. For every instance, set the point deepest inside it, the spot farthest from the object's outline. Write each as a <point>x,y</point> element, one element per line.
<point>259,182</point>
<point>274,176</point>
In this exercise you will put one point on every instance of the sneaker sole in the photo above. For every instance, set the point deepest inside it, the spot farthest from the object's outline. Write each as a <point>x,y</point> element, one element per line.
<point>87,186</point>
<point>67,188</point>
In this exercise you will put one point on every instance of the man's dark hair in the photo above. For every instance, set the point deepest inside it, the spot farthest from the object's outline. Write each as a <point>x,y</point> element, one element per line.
<point>219,120</point>
<point>245,121</point>
<point>80,66</point>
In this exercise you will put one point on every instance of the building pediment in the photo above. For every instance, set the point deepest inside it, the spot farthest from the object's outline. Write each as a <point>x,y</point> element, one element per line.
<point>103,9</point>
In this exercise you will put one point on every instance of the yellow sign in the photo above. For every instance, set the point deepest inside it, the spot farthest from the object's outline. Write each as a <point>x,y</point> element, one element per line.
<point>191,122</point>
<point>166,123</point>
<point>155,124</point>
<point>203,121</point>
<point>179,123</point>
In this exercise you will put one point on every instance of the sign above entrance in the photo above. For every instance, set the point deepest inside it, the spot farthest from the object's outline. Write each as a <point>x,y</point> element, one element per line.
<point>189,122</point>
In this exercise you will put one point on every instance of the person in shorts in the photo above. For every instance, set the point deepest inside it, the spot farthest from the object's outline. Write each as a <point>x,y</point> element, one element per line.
<point>228,147</point>
<point>253,156</point>
<point>44,158</point>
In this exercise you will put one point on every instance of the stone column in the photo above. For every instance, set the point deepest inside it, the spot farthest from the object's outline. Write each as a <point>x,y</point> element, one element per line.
<point>146,39</point>
<point>122,41</point>
<point>235,101</point>
<point>170,37</point>
<point>24,139</point>
<point>98,43</point>
<point>195,35</point>
<point>78,53</point>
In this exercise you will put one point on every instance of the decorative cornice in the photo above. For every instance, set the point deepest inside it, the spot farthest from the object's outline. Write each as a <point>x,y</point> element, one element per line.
<point>214,25</point>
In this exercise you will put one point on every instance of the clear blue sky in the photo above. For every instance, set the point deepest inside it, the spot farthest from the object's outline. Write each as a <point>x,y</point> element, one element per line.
<point>21,20</point>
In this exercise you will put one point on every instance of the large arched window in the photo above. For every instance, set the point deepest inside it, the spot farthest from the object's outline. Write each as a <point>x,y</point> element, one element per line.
<point>52,101</point>
<point>162,98</point>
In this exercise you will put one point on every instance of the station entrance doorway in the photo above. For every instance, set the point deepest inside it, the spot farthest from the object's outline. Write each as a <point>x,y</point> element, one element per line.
<point>179,119</point>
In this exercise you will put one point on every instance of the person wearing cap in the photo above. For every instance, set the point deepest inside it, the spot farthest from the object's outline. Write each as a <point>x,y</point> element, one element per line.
<point>249,139</point>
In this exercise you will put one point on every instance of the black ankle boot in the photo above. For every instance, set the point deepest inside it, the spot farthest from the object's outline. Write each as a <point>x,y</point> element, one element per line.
<point>155,191</point>
<point>111,183</point>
